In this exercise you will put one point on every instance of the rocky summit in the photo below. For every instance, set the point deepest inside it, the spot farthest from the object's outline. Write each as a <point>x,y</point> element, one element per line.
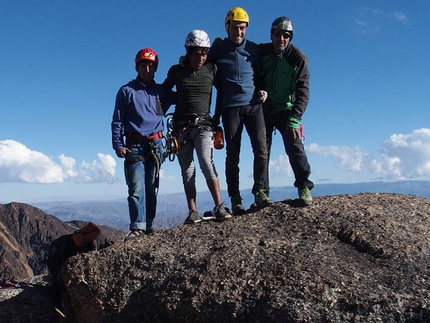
<point>346,258</point>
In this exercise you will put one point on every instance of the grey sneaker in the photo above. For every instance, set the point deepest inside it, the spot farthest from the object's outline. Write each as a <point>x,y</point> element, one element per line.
<point>236,205</point>
<point>221,214</point>
<point>262,199</point>
<point>305,196</point>
<point>193,217</point>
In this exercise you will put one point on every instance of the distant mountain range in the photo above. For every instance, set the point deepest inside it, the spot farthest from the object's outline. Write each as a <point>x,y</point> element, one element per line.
<point>172,208</point>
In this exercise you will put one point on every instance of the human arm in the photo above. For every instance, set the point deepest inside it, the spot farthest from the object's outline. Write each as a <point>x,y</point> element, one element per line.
<point>258,75</point>
<point>217,113</point>
<point>117,125</point>
<point>301,93</point>
<point>168,84</point>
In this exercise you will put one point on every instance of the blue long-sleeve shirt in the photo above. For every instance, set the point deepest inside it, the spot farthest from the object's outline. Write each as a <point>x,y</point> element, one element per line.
<point>238,71</point>
<point>139,108</point>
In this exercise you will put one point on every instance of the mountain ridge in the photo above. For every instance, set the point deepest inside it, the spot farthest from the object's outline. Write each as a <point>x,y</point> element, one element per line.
<point>172,209</point>
<point>26,233</point>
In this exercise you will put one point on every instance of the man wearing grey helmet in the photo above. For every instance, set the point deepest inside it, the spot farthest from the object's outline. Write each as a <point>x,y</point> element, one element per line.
<point>286,79</point>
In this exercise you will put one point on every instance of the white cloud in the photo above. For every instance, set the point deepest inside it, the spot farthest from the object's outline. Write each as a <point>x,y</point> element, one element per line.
<point>280,167</point>
<point>396,15</point>
<point>371,19</point>
<point>165,176</point>
<point>403,156</point>
<point>347,158</point>
<point>19,164</point>
<point>102,170</point>
<point>400,16</point>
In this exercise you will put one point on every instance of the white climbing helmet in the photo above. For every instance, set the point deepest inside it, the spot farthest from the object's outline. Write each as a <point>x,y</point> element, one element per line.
<point>197,38</point>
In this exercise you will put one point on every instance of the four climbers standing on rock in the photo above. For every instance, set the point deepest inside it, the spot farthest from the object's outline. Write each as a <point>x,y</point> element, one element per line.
<point>259,87</point>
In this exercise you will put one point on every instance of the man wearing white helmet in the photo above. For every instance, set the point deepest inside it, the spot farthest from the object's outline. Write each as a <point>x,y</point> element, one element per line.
<point>286,76</point>
<point>192,123</point>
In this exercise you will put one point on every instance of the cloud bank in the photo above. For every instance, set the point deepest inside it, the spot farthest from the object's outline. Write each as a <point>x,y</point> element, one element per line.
<point>402,156</point>
<point>19,164</point>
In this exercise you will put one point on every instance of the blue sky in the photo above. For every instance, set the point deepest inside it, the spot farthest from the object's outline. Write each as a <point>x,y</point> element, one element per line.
<point>62,62</point>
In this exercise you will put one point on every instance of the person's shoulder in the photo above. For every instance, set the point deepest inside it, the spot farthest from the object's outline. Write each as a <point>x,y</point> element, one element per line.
<point>129,85</point>
<point>210,66</point>
<point>216,47</point>
<point>175,67</point>
<point>265,48</point>
<point>251,47</point>
<point>296,52</point>
<point>249,44</point>
<point>159,89</point>
<point>218,42</point>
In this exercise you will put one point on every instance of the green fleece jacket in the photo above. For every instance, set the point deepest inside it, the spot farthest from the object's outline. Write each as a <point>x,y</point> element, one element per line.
<point>286,79</point>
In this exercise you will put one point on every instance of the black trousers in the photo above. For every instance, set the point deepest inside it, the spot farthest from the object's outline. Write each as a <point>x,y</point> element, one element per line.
<point>234,120</point>
<point>293,148</point>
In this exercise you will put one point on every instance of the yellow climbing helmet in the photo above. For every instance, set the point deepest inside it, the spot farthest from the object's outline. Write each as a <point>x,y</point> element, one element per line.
<point>237,14</point>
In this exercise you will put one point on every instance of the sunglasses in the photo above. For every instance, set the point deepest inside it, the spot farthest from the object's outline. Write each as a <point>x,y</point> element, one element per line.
<point>279,35</point>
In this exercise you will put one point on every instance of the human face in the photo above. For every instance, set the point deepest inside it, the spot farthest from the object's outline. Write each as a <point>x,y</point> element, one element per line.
<point>280,40</point>
<point>197,58</point>
<point>236,31</point>
<point>146,71</point>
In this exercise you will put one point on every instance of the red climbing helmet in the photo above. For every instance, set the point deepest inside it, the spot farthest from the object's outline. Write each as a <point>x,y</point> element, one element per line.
<point>146,54</point>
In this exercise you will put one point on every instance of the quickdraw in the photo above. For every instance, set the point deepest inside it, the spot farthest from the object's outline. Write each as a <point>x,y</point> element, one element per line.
<point>157,165</point>
<point>171,144</point>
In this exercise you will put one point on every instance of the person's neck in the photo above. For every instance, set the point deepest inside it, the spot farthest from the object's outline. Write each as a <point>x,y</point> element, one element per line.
<point>144,82</point>
<point>237,45</point>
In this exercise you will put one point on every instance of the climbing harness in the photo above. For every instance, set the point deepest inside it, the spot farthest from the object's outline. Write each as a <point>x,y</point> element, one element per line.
<point>172,143</point>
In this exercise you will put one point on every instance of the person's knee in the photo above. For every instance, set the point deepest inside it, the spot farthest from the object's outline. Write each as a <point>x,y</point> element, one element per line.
<point>209,171</point>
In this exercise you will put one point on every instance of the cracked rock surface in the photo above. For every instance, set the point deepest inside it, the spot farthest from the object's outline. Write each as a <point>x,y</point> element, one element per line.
<point>346,258</point>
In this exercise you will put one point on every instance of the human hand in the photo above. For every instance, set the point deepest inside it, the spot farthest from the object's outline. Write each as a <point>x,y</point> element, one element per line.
<point>122,152</point>
<point>217,41</point>
<point>262,96</point>
<point>182,60</point>
<point>215,120</point>
<point>297,134</point>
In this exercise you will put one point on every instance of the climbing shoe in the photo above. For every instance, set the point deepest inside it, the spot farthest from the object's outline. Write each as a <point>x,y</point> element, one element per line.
<point>134,235</point>
<point>193,217</point>
<point>149,230</point>
<point>236,205</point>
<point>305,196</point>
<point>221,214</point>
<point>262,199</point>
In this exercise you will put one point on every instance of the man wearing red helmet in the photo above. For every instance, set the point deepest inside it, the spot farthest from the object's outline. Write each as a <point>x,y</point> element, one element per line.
<point>192,123</point>
<point>286,76</point>
<point>138,118</point>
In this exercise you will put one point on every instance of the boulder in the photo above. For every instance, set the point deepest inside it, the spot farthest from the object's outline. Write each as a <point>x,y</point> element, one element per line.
<point>346,258</point>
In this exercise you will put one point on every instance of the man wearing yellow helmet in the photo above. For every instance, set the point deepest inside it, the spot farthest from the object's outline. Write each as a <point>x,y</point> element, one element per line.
<point>239,104</point>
